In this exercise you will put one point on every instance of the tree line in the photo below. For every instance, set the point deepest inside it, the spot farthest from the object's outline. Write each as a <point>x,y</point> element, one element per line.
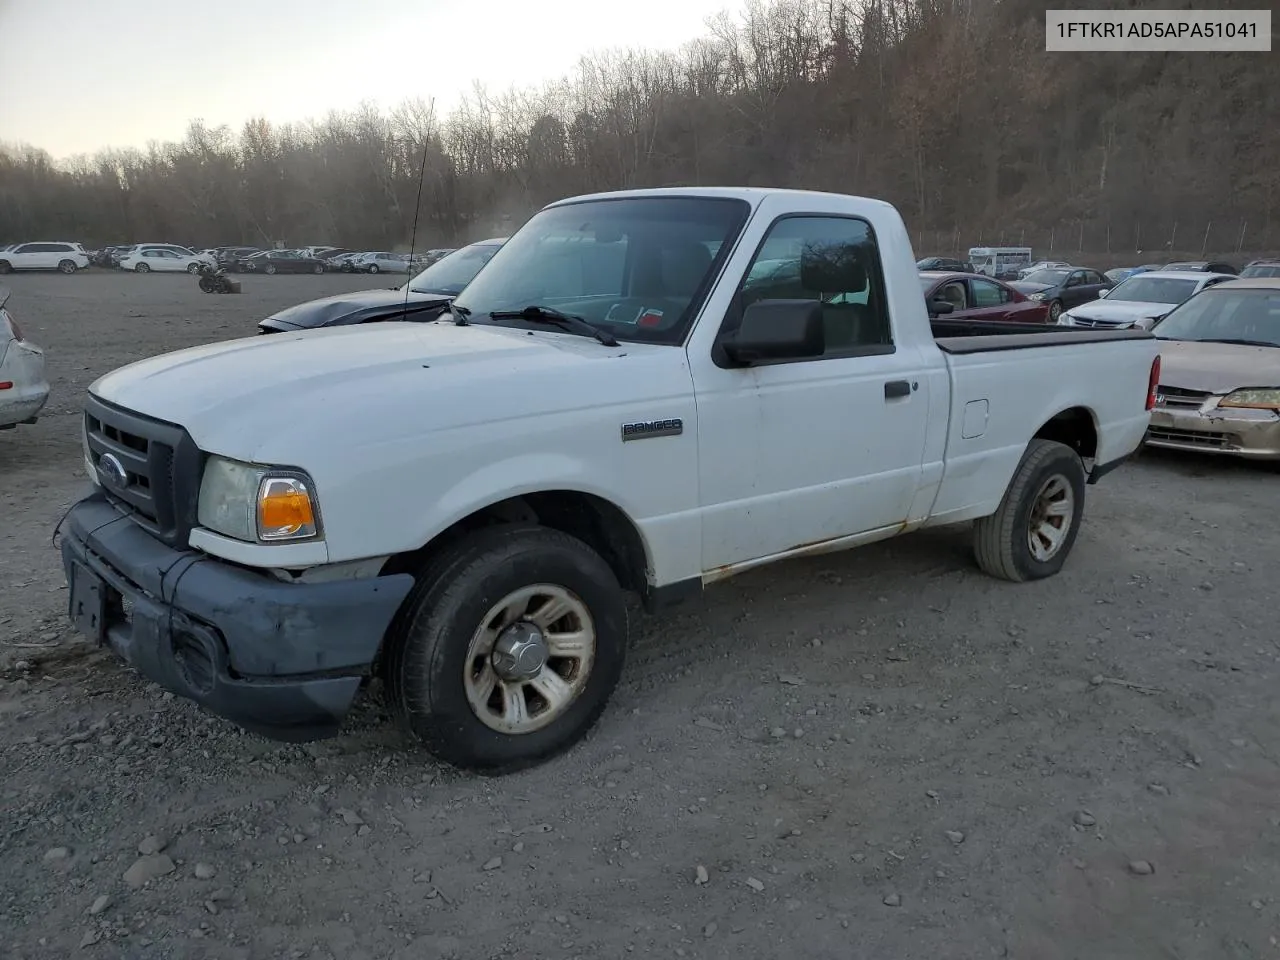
<point>950,109</point>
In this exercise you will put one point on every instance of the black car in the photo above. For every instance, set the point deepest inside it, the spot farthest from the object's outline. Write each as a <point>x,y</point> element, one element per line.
<point>1201,266</point>
<point>279,261</point>
<point>944,265</point>
<point>1062,287</point>
<point>423,298</point>
<point>229,256</point>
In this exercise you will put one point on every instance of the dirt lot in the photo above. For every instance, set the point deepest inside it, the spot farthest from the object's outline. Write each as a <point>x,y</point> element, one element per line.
<point>882,754</point>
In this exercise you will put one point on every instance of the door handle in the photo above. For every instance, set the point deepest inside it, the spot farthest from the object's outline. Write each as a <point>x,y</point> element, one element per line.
<point>896,388</point>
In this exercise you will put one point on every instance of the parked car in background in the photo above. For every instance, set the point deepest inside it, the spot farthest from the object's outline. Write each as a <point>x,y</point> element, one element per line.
<point>1063,287</point>
<point>228,256</point>
<point>343,262</point>
<point>1219,386</point>
<point>1266,267</point>
<point>973,296</point>
<point>279,261</point>
<point>945,264</point>
<point>24,388</point>
<point>181,251</point>
<point>119,253</point>
<point>58,255</point>
<point>1201,266</point>
<point>1042,265</point>
<point>1141,300</point>
<point>423,298</point>
<point>161,260</point>
<point>382,262</point>
<point>102,256</point>
<point>439,253</point>
<point>1120,274</point>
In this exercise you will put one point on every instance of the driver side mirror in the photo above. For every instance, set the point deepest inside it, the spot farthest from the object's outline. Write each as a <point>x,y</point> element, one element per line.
<point>939,307</point>
<point>1103,292</point>
<point>777,330</point>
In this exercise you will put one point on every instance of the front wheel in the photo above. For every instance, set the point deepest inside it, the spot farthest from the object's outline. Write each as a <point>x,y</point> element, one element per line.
<point>373,268</point>
<point>506,652</point>
<point>269,269</point>
<point>318,268</point>
<point>193,268</point>
<point>142,268</point>
<point>1055,311</point>
<point>6,266</point>
<point>1035,526</point>
<point>67,266</point>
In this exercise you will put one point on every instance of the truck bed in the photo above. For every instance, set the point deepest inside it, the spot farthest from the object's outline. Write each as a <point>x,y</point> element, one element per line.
<point>983,336</point>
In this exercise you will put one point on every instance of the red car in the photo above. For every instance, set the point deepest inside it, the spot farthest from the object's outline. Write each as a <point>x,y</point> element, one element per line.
<point>975,297</point>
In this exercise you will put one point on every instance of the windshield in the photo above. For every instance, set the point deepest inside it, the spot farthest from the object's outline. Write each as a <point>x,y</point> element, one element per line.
<point>450,274</point>
<point>1217,314</point>
<point>1262,270</point>
<point>1153,290</point>
<point>1050,277</point>
<point>636,266</point>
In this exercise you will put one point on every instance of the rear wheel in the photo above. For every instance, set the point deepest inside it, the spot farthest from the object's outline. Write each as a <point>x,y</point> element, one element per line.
<point>67,266</point>
<point>141,268</point>
<point>318,268</point>
<point>270,268</point>
<point>507,651</point>
<point>373,268</point>
<point>6,266</point>
<point>193,268</point>
<point>1032,531</point>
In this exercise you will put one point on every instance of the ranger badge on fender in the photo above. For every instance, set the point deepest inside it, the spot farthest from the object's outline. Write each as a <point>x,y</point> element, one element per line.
<point>644,429</point>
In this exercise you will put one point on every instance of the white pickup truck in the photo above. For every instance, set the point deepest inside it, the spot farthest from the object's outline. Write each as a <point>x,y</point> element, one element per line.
<point>642,392</point>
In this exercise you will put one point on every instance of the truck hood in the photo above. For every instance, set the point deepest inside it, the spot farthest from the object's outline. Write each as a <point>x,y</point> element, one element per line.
<point>276,399</point>
<point>1217,367</point>
<point>327,310</point>
<point>1120,311</point>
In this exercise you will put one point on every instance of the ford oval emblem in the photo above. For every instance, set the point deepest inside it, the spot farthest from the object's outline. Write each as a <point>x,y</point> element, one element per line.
<point>111,471</point>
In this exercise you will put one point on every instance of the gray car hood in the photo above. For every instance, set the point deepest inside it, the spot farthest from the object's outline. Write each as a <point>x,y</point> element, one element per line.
<point>1120,311</point>
<point>1217,367</point>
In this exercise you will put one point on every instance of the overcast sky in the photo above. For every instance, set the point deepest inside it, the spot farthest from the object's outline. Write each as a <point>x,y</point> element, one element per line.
<point>79,75</point>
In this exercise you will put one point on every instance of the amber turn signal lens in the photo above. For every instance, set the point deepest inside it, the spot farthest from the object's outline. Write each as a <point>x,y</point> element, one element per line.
<point>285,511</point>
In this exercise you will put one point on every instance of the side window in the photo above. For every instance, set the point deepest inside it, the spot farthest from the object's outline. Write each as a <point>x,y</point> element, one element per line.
<point>988,294</point>
<point>833,260</point>
<point>24,248</point>
<point>1075,279</point>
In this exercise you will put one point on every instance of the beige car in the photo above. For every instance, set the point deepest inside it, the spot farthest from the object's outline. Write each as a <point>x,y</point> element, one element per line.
<point>1219,386</point>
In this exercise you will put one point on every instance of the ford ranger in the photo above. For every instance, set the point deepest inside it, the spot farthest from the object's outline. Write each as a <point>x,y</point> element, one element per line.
<point>641,393</point>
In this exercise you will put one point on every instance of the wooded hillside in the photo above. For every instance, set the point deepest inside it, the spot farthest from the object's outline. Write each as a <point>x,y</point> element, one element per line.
<point>950,109</point>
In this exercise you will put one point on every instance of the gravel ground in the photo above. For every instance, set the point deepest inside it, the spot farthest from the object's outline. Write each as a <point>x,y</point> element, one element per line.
<point>880,754</point>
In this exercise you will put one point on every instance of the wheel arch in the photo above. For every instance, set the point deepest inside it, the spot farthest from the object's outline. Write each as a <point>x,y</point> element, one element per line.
<point>1075,427</point>
<point>591,518</point>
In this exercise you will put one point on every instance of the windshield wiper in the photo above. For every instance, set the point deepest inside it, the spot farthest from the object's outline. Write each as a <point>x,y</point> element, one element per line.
<point>568,321</point>
<point>1243,343</point>
<point>460,314</point>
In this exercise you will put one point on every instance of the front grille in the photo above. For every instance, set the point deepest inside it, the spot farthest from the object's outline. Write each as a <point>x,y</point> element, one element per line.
<point>1104,324</point>
<point>160,465</point>
<point>1192,438</point>
<point>1177,397</point>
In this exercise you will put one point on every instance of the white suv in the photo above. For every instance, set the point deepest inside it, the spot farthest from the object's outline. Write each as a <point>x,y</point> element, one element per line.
<point>181,251</point>
<point>66,257</point>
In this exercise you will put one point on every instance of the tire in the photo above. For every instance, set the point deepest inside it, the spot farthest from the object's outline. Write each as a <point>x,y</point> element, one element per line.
<point>318,268</point>
<point>67,266</point>
<point>1049,474</point>
<point>269,269</point>
<point>141,268</point>
<point>434,674</point>
<point>1055,311</point>
<point>373,268</point>
<point>193,268</point>
<point>6,266</point>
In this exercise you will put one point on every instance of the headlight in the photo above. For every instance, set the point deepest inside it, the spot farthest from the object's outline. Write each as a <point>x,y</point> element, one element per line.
<point>1256,398</point>
<point>257,503</point>
<point>1036,296</point>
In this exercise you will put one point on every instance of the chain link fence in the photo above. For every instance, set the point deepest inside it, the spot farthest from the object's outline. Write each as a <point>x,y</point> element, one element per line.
<point>1108,244</point>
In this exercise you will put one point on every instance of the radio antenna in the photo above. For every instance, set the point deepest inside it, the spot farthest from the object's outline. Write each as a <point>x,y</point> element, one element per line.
<point>417,210</point>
